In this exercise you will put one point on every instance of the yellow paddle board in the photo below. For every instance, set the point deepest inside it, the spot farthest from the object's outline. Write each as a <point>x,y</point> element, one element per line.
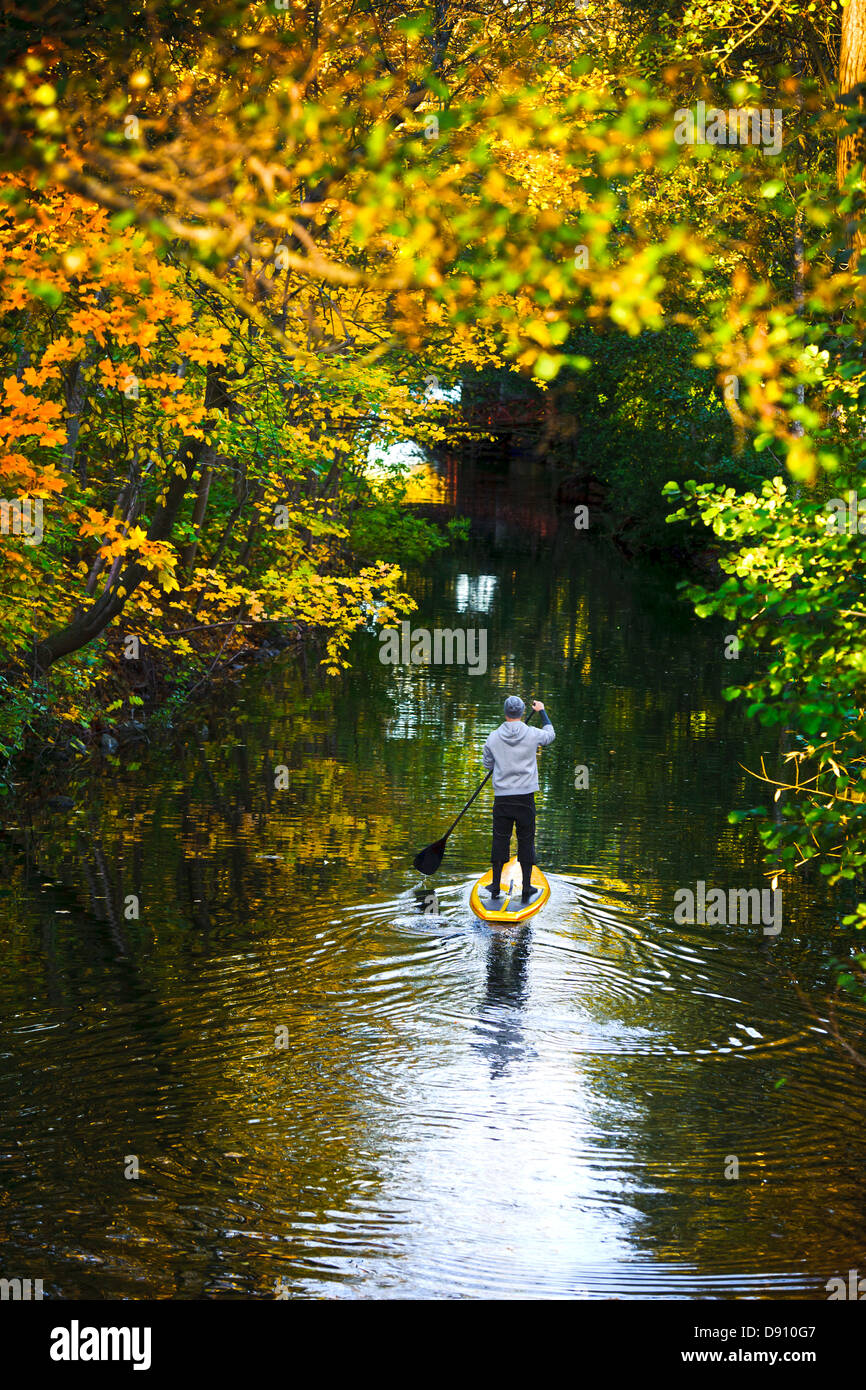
<point>508,907</point>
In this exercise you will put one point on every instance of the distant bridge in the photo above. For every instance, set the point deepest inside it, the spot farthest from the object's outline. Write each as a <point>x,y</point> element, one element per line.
<point>497,417</point>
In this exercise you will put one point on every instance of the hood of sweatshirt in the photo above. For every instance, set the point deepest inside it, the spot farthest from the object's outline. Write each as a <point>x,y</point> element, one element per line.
<point>513,733</point>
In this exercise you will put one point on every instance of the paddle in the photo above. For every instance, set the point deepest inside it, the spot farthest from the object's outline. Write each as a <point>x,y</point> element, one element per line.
<point>427,860</point>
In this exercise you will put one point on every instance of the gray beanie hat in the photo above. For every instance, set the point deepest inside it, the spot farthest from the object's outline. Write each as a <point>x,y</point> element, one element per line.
<point>514,706</point>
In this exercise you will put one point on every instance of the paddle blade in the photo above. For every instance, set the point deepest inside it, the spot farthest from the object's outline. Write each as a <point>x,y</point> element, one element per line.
<point>427,860</point>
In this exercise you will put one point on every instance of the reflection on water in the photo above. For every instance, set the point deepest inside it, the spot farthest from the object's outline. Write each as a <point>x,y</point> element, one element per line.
<point>499,1034</point>
<point>334,1079</point>
<point>474,593</point>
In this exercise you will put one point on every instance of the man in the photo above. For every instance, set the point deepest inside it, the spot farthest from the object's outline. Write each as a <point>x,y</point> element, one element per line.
<point>510,752</point>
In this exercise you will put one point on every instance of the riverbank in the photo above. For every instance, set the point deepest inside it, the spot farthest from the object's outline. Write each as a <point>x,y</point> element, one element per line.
<point>138,701</point>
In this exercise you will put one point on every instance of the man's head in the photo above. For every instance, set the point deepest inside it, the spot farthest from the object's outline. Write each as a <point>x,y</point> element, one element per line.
<point>514,707</point>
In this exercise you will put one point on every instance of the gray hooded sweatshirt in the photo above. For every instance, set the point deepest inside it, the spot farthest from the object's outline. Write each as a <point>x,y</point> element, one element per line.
<point>511,752</point>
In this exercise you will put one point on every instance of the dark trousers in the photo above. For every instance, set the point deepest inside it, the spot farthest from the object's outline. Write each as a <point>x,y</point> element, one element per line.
<point>510,812</point>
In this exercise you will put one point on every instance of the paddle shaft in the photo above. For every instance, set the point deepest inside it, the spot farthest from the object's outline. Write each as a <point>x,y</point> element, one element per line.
<point>468,804</point>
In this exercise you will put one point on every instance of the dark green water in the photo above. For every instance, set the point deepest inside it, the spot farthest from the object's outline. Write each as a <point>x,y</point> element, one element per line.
<point>457,1111</point>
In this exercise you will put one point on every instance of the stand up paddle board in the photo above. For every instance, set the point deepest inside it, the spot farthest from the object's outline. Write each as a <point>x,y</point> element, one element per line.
<point>508,907</point>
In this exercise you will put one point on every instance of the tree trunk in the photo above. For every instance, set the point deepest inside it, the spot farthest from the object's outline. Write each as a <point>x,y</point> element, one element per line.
<point>244,557</point>
<point>242,496</point>
<point>797,428</point>
<point>198,516</point>
<point>216,397</point>
<point>192,456</point>
<point>852,90</point>
<point>128,506</point>
<point>90,622</point>
<point>75,390</point>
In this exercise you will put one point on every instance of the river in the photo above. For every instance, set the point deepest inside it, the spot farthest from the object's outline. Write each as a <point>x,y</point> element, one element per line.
<point>245,1051</point>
